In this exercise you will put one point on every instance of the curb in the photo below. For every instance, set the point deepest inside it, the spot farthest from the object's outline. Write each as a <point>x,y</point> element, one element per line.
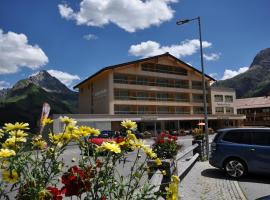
<point>239,190</point>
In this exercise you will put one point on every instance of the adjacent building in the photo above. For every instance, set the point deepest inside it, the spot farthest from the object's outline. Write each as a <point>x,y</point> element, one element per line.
<point>159,92</point>
<point>257,110</point>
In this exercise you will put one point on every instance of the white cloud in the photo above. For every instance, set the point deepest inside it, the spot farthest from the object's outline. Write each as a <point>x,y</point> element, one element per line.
<point>64,77</point>
<point>231,73</point>
<point>4,84</point>
<point>90,37</point>
<point>151,48</point>
<point>129,15</point>
<point>15,52</point>
<point>211,57</point>
<point>214,75</point>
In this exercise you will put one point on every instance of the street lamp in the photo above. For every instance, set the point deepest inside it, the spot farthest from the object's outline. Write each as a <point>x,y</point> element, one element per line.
<point>181,22</point>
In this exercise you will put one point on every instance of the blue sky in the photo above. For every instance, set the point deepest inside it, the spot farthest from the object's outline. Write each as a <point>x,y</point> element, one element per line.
<point>73,39</point>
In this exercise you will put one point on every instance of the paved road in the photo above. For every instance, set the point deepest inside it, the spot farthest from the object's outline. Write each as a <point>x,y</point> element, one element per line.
<point>256,187</point>
<point>204,182</point>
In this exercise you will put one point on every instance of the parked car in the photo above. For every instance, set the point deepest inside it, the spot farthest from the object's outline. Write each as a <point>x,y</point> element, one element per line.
<point>241,150</point>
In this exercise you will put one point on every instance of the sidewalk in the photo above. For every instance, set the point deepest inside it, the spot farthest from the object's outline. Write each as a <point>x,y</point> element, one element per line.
<point>205,182</point>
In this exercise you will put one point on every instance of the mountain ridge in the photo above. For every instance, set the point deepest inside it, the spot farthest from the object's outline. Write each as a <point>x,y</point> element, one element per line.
<point>23,102</point>
<point>255,81</point>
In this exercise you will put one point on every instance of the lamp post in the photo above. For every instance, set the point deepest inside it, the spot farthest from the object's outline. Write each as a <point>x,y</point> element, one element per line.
<point>181,22</point>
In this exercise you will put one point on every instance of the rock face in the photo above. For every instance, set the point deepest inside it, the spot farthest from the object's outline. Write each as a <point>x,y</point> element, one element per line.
<point>255,81</point>
<point>23,102</point>
<point>44,80</point>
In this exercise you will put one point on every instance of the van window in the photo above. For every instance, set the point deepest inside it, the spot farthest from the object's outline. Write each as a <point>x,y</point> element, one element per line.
<point>261,138</point>
<point>240,137</point>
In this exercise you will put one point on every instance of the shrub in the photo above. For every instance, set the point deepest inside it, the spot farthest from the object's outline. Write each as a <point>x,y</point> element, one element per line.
<point>198,134</point>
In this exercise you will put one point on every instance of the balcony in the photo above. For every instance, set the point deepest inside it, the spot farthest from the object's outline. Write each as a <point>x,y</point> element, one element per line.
<point>165,83</point>
<point>151,99</point>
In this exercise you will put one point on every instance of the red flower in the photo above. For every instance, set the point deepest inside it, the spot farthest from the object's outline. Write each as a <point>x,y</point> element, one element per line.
<point>174,138</point>
<point>76,181</point>
<point>160,141</point>
<point>119,139</point>
<point>103,198</point>
<point>163,135</point>
<point>56,193</point>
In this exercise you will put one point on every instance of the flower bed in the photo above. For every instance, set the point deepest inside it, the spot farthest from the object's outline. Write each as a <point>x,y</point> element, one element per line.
<point>166,146</point>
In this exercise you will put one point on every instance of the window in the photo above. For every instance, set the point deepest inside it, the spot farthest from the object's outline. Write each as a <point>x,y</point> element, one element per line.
<point>197,98</point>
<point>163,109</point>
<point>229,110</point>
<point>182,110</point>
<point>120,78</point>
<point>228,98</point>
<point>142,109</point>
<point>182,97</point>
<point>121,94</point>
<point>162,96</point>
<point>142,96</point>
<point>218,98</point>
<point>181,84</point>
<point>162,82</point>
<point>198,110</point>
<point>240,137</point>
<point>266,110</point>
<point>197,85</point>
<point>261,138</point>
<point>219,110</point>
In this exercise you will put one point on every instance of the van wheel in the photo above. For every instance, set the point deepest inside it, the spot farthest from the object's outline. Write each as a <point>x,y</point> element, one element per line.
<point>235,168</point>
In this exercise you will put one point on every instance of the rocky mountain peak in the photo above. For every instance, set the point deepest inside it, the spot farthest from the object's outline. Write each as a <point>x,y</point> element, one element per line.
<point>44,80</point>
<point>262,58</point>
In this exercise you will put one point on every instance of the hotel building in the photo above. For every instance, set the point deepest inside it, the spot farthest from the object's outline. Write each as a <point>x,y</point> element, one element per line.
<point>256,109</point>
<point>159,92</point>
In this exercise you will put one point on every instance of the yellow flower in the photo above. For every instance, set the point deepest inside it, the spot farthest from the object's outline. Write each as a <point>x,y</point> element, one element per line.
<point>6,153</point>
<point>18,133</point>
<point>16,139</point>
<point>175,179</point>
<point>67,120</point>
<point>149,152</point>
<point>46,121</point>
<point>65,137</point>
<point>70,128</point>
<point>10,176</point>
<point>158,161</point>
<point>128,124</point>
<point>94,132</point>
<point>110,146</point>
<point>16,126</point>
<point>164,173</point>
<point>39,143</point>
<point>172,190</point>
<point>54,138</point>
<point>42,194</point>
<point>1,133</point>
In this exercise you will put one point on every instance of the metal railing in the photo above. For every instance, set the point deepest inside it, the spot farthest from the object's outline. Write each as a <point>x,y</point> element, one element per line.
<point>116,97</point>
<point>151,83</point>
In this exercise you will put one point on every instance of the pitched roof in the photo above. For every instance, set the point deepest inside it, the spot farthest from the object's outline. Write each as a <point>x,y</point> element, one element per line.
<point>255,102</point>
<point>136,61</point>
